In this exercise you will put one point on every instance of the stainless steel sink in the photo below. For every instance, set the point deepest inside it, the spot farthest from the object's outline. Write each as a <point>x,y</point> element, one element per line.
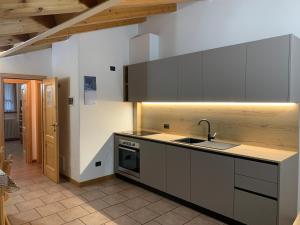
<point>189,140</point>
<point>216,145</point>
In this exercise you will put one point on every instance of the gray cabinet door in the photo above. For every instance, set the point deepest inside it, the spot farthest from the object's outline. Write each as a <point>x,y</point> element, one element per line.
<point>162,80</point>
<point>267,72</point>
<point>137,82</point>
<point>178,172</point>
<point>190,84</point>
<point>224,73</point>
<point>212,182</point>
<point>153,165</point>
<point>252,209</point>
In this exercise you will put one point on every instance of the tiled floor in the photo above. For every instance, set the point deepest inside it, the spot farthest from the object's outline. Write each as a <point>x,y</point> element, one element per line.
<point>112,202</point>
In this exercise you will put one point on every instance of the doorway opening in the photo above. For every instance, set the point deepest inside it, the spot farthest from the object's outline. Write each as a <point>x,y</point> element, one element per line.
<point>22,104</point>
<point>34,101</point>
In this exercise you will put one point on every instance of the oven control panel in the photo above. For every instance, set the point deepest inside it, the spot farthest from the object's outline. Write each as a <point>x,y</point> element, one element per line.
<point>129,143</point>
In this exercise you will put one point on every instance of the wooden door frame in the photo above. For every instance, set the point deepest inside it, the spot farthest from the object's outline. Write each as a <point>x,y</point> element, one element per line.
<point>10,78</point>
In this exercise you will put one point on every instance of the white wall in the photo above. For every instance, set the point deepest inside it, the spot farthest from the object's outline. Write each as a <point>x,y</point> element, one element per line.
<point>208,24</point>
<point>98,51</point>
<point>65,66</point>
<point>33,63</point>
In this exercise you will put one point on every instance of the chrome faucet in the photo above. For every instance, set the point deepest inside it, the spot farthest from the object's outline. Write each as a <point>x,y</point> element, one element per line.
<point>210,137</point>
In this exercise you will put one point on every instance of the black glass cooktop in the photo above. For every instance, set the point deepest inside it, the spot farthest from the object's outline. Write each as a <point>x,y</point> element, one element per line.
<point>141,132</point>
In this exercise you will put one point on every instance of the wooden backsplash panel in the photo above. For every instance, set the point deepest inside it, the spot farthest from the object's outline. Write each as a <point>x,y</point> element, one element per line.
<point>261,125</point>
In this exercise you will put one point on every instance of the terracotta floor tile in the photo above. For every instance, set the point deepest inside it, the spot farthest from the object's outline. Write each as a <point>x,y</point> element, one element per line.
<point>93,195</point>
<point>34,194</point>
<point>96,218</point>
<point>55,197</point>
<point>27,205</point>
<point>73,213</point>
<point>132,192</point>
<point>116,211</point>
<point>161,206</point>
<point>24,217</point>
<point>50,209</point>
<point>123,220</point>
<point>14,199</point>
<point>186,212</point>
<point>11,209</point>
<point>171,218</point>
<point>112,189</point>
<point>48,220</point>
<point>75,222</point>
<point>71,202</point>
<point>151,197</point>
<point>136,203</point>
<point>95,205</point>
<point>114,199</point>
<point>143,215</point>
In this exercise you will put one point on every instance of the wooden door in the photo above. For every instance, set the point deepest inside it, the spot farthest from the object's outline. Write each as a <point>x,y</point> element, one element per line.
<point>26,120</point>
<point>2,141</point>
<point>51,131</point>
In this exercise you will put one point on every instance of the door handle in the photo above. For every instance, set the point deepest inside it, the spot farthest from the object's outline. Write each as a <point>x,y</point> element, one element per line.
<point>54,125</point>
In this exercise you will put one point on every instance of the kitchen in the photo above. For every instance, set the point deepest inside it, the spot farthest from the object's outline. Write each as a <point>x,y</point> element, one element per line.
<point>198,107</point>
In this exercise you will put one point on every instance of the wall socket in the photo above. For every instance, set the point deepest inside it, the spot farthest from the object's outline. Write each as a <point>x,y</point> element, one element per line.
<point>166,126</point>
<point>98,163</point>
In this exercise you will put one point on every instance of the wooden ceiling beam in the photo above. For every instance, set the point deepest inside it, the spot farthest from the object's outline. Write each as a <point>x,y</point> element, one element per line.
<point>97,26</point>
<point>116,13</point>
<point>26,25</point>
<point>28,8</point>
<point>83,16</point>
<point>136,3</point>
<point>11,40</point>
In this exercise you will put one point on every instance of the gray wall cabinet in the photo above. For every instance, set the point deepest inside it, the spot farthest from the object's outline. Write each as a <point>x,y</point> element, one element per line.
<point>153,165</point>
<point>267,72</point>
<point>212,182</point>
<point>224,73</point>
<point>190,82</point>
<point>261,71</point>
<point>178,172</point>
<point>137,78</point>
<point>162,80</point>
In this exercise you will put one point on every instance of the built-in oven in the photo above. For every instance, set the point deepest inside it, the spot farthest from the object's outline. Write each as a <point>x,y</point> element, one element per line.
<point>129,157</point>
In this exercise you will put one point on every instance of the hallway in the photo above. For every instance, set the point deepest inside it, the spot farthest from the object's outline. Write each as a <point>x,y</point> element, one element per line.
<point>20,169</point>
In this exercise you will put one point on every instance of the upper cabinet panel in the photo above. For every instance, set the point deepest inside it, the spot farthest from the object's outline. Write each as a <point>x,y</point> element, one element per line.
<point>224,73</point>
<point>190,83</point>
<point>162,80</point>
<point>137,80</point>
<point>267,72</point>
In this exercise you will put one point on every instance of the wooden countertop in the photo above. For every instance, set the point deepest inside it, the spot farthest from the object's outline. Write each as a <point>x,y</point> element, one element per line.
<point>246,151</point>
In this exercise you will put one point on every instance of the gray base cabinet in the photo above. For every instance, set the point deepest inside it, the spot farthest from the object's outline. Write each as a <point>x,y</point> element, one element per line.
<point>250,191</point>
<point>212,182</point>
<point>253,209</point>
<point>178,172</point>
<point>153,165</point>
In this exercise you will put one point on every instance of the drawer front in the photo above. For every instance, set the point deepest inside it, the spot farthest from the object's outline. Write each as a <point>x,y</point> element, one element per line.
<point>255,185</point>
<point>259,170</point>
<point>252,209</point>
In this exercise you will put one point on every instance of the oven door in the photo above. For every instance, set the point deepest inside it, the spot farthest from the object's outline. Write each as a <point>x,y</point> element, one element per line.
<point>129,161</point>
